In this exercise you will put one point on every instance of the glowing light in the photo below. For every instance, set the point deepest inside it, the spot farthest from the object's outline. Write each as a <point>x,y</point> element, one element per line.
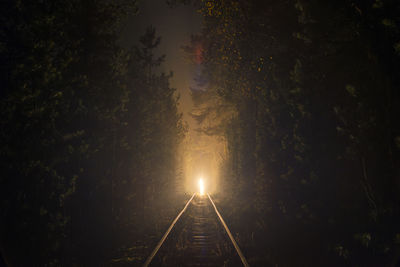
<point>201,186</point>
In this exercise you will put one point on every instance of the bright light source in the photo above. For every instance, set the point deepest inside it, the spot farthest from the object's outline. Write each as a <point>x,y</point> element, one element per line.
<point>201,186</point>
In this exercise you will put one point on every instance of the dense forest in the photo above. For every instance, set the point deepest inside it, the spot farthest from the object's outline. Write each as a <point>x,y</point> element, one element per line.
<point>303,94</point>
<point>89,134</point>
<point>306,95</point>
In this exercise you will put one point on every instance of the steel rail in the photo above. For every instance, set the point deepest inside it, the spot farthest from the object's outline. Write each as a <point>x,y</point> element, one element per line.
<point>242,258</point>
<point>150,258</point>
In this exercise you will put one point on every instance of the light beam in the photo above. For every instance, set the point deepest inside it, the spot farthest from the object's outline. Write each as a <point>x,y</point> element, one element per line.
<point>201,187</point>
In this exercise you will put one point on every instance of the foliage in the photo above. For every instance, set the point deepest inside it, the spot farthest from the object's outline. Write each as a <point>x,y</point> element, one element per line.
<point>312,136</point>
<point>86,127</point>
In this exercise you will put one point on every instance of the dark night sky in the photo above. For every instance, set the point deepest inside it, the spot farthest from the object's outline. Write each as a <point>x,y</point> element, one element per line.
<point>174,25</point>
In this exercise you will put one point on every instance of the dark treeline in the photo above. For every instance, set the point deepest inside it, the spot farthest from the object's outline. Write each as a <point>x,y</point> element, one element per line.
<point>306,95</point>
<point>89,135</point>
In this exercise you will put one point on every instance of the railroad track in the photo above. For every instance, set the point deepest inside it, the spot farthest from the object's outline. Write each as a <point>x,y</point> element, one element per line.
<point>197,237</point>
